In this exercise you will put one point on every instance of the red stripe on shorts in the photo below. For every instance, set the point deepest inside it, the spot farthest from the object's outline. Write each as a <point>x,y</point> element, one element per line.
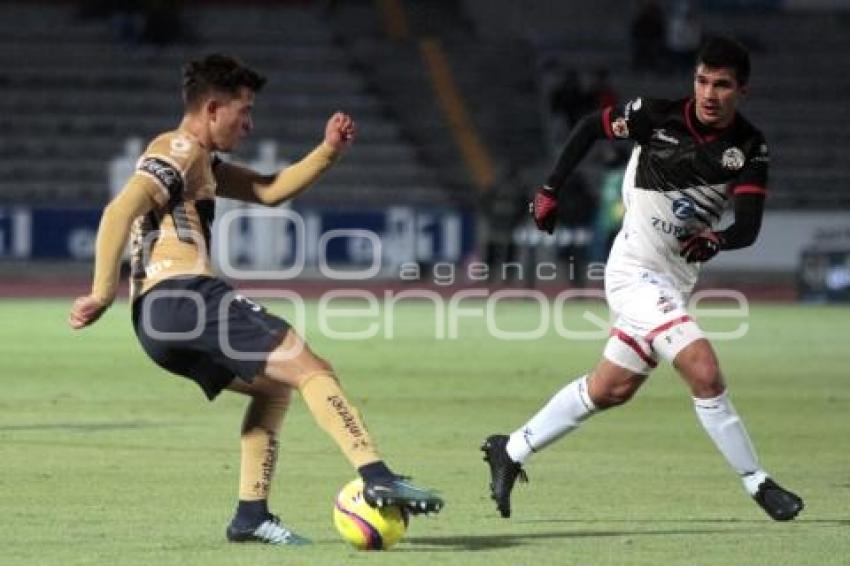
<point>631,343</point>
<point>666,326</point>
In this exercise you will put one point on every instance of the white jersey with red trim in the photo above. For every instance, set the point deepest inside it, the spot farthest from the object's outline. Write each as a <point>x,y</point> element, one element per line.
<point>678,181</point>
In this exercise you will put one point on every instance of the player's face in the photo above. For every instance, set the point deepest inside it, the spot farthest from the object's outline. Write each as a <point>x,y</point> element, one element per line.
<point>231,120</point>
<point>716,92</point>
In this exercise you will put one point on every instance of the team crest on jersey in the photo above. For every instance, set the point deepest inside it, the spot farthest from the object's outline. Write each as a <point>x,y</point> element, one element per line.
<point>683,208</point>
<point>620,128</point>
<point>733,159</point>
<point>180,146</point>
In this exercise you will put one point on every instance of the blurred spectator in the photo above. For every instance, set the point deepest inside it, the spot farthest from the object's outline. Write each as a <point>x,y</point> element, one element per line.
<point>684,35</point>
<point>155,22</point>
<point>268,231</point>
<point>574,95</point>
<point>568,100</point>
<point>610,212</point>
<point>600,92</point>
<point>503,208</point>
<point>121,167</point>
<point>95,9</point>
<point>576,214</point>
<point>566,105</point>
<point>128,21</point>
<point>164,23</point>
<point>126,17</point>
<point>649,37</point>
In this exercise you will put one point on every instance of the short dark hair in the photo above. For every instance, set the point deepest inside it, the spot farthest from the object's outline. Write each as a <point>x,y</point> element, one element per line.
<point>719,51</point>
<point>217,73</point>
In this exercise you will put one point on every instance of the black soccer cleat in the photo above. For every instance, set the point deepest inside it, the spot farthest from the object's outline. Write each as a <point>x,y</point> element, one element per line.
<point>779,503</point>
<point>270,531</point>
<point>503,472</point>
<point>399,492</point>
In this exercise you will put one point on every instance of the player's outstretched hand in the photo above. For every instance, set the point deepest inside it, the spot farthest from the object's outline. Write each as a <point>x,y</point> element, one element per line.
<point>544,208</point>
<point>699,247</point>
<point>85,311</point>
<point>340,131</point>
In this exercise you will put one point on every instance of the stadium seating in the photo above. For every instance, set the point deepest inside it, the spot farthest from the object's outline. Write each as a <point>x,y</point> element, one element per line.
<point>798,92</point>
<point>72,94</point>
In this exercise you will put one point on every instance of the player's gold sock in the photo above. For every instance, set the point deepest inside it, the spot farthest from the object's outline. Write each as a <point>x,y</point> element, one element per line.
<point>259,446</point>
<point>339,418</point>
<point>259,455</point>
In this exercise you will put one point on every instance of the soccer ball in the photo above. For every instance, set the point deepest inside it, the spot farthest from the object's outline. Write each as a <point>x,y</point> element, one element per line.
<point>363,526</point>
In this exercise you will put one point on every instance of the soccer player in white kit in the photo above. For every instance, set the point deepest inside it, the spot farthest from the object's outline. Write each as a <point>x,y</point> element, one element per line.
<point>693,158</point>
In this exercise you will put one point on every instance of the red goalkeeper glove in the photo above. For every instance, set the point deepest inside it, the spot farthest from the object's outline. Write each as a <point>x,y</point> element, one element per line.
<point>544,208</point>
<point>700,247</point>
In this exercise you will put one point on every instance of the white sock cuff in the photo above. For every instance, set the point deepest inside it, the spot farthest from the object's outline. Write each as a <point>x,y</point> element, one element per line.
<point>713,403</point>
<point>753,480</point>
<point>584,394</point>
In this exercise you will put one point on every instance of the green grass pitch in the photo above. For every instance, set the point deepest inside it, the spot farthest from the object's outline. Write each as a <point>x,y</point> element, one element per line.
<point>105,459</point>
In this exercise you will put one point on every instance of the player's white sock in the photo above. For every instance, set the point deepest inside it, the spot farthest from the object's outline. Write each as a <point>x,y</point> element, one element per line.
<point>720,419</point>
<point>563,413</point>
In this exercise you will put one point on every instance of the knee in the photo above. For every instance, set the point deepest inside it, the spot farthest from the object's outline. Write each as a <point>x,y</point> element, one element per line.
<point>615,394</point>
<point>313,365</point>
<point>273,393</point>
<point>281,395</point>
<point>705,378</point>
<point>295,370</point>
<point>321,364</point>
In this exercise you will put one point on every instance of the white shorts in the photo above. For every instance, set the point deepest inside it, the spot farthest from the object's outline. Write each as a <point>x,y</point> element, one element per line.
<point>652,320</point>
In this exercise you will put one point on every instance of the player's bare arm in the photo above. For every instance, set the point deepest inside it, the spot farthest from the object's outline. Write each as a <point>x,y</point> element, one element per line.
<point>135,200</point>
<point>242,183</point>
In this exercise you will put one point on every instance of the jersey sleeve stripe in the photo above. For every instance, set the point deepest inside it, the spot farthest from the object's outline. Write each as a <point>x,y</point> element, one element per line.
<point>667,326</point>
<point>156,182</point>
<point>632,343</point>
<point>749,190</point>
<point>164,172</point>
<point>606,122</point>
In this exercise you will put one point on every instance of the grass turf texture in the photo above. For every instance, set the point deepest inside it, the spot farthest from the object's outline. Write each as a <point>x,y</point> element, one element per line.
<point>106,459</point>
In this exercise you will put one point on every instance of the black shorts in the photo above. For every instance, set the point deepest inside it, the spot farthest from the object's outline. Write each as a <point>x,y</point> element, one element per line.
<point>200,328</point>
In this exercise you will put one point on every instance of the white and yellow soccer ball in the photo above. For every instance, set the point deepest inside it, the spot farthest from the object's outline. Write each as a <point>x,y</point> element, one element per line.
<point>363,526</point>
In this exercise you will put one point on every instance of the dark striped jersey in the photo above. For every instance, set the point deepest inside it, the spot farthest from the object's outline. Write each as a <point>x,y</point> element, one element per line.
<point>680,177</point>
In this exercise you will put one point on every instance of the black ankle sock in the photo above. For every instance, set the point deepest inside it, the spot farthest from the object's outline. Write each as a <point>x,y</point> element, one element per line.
<point>376,471</point>
<point>250,513</point>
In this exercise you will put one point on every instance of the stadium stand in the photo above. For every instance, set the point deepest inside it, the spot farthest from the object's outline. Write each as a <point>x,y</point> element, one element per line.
<point>72,94</point>
<point>495,77</point>
<point>798,94</point>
